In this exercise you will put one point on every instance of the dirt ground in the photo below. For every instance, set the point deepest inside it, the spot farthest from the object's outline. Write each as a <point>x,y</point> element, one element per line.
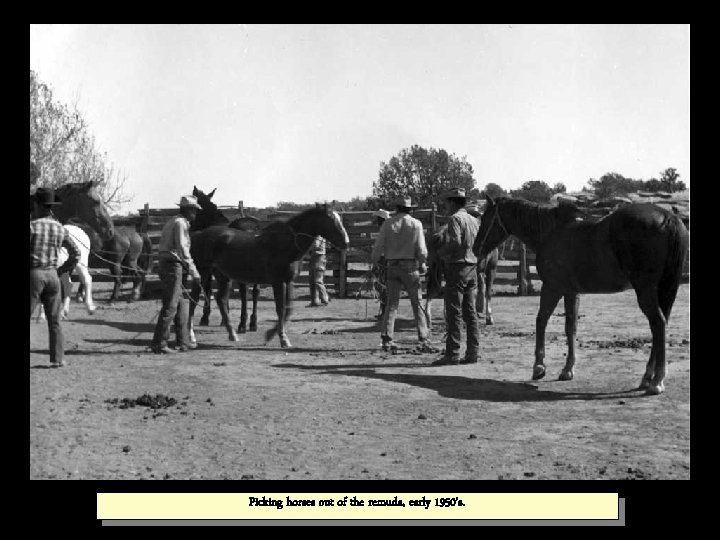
<point>336,407</point>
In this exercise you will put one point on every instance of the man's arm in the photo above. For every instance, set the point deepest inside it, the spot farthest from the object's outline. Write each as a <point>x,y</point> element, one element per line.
<point>421,251</point>
<point>454,236</point>
<point>182,241</point>
<point>379,247</point>
<point>73,253</point>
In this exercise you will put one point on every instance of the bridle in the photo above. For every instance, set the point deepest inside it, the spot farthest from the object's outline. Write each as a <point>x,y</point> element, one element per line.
<point>495,217</point>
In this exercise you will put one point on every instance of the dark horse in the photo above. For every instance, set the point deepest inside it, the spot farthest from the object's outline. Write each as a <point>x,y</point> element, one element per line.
<point>486,271</point>
<point>208,217</point>
<point>267,257</point>
<point>639,245</point>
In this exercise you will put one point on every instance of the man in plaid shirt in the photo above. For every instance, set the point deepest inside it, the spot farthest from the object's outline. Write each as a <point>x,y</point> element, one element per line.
<point>47,236</point>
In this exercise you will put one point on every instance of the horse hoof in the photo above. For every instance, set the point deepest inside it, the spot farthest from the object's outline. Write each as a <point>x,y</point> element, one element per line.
<point>489,321</point>
<point>241,330</point>
<point>538,372</point>
<point>655,389</point>
<point>204,322</point>
<point>644,383</point>
<point>253,327</point>
<point>233,337</point>
<point>566,375</point>
<point>91,310</point>
<point>285,343</point>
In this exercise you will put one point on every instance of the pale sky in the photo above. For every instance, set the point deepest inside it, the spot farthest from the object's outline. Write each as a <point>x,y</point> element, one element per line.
<point>306,113</point>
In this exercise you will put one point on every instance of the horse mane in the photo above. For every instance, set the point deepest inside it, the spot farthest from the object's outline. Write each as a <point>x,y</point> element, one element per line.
<point>538,218</point>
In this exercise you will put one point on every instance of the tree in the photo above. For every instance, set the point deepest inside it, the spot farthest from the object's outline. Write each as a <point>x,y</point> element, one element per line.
<point>494,190</point>
<point>63,150</point>
<point>614,184</point>
<point>424,175</point>
<point>534,190</point>
<point>669,181</point>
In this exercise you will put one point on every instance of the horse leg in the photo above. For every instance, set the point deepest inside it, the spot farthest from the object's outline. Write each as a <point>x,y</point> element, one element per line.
<point>223,299</point>
<point>206,284</point>
<point>116,274</point>
<point>428,314</point>
<point>489,279</point>
<point>572,304</point>
<point>242,327</point>
<point>481,300</point>
<point>652,381</point>
<point>287,312</point>
<point>86,284</point>
<point>253,317</point>
<point>194,301</point>
<point>282,293</point>
<point>548,300</point>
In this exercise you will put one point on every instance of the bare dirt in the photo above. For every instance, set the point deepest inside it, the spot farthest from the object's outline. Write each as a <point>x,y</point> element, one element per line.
<point>336,407</point>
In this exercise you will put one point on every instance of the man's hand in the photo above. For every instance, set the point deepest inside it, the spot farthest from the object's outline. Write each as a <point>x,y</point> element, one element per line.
<point>423,269</point>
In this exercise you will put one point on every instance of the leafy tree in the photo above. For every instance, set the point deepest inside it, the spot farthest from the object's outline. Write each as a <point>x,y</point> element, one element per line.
<point>614,184</point>
<point>534,190</point>
<point>559,188</point>
<point>63,150</point>
<point>670,181</point>
<point>424,175</point>
<point>494,190</point>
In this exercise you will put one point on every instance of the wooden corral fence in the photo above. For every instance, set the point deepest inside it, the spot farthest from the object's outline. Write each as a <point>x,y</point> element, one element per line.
<point>347,271</point>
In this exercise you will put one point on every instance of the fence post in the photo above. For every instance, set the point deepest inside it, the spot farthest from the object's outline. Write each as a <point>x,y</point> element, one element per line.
<point>146,218</point>
<point>433,216</point>
<point>241,207</point>
<point>522,271</point>
<point>342,274</point>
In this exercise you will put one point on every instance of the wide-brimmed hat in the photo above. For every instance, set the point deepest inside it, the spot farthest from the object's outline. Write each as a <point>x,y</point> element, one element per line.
<point>455,193</point>
<point>384,214</point>
<point>405,202</point>
<point>46,197</point>
<point>189,200</point>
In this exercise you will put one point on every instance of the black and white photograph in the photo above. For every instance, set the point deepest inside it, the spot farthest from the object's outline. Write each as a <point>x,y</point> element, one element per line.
<point>318,252</point>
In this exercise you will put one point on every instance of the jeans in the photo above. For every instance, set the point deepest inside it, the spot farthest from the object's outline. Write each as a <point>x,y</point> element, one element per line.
<point>45,289</point>
<point>175,305</point>
<point>460,294</point>
<point>403,274</point>
<point>316,275</point>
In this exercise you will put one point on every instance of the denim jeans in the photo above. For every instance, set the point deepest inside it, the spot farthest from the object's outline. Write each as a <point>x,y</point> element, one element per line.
<point>175,305</point>
<point>316,276</point>
<point>460,294</point>
<point>403,274</point>
<point>45,289</point>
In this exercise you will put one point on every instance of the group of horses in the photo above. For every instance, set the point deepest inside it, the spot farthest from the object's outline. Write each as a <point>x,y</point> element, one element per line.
<point>125,251</point>
<point>639,245</point>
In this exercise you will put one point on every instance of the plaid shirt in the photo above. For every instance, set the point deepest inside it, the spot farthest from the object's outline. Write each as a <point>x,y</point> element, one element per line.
<point>47,236</point>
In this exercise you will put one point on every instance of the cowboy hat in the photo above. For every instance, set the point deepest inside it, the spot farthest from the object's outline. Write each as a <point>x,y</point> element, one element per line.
<point>455,193</point>
<point>384,214</point>
<point>189,200</point>
<point>46,197</point>
<point>405,202</point>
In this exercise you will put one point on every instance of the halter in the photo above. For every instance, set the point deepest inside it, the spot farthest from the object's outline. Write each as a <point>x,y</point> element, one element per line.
<point>496,217</point>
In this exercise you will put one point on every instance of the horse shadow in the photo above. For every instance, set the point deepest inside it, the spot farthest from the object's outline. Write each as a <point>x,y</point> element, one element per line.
<point>467,388</point>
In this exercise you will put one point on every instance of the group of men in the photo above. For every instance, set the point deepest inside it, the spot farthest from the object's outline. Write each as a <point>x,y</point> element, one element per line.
<point>400,252</point>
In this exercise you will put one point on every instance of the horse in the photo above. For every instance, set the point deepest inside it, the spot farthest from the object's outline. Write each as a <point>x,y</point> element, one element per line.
<point>209,216</point>
<point>486,272</point>
<point>81,240</point>
<point>639,245</point>
<point>268,257</point>
<point>122,249</point>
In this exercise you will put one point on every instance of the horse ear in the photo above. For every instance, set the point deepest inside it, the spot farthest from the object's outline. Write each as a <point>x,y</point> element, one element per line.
<point>210,195</point>
<point>195,191</point>
<point>489,199</point>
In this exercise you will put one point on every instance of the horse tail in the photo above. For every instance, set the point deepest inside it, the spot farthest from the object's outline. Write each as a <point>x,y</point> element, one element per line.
<point>678,244</point>
<point>145,254</point>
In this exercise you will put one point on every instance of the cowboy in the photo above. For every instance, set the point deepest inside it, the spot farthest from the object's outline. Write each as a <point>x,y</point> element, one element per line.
<point>175,267</point>
<point>379,270</point>
<point>460,281</point>
<point>401,241</point>
<point>47,236</point>
<point>316,273</point>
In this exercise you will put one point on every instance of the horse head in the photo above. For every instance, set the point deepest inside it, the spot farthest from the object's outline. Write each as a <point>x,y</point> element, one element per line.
<point>322,221</point>
<point>492,230</point>
<point>82,202</point>
<point>209,214</point>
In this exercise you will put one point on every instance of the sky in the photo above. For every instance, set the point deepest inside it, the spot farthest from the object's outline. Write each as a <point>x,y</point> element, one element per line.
<point>308,113</point>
